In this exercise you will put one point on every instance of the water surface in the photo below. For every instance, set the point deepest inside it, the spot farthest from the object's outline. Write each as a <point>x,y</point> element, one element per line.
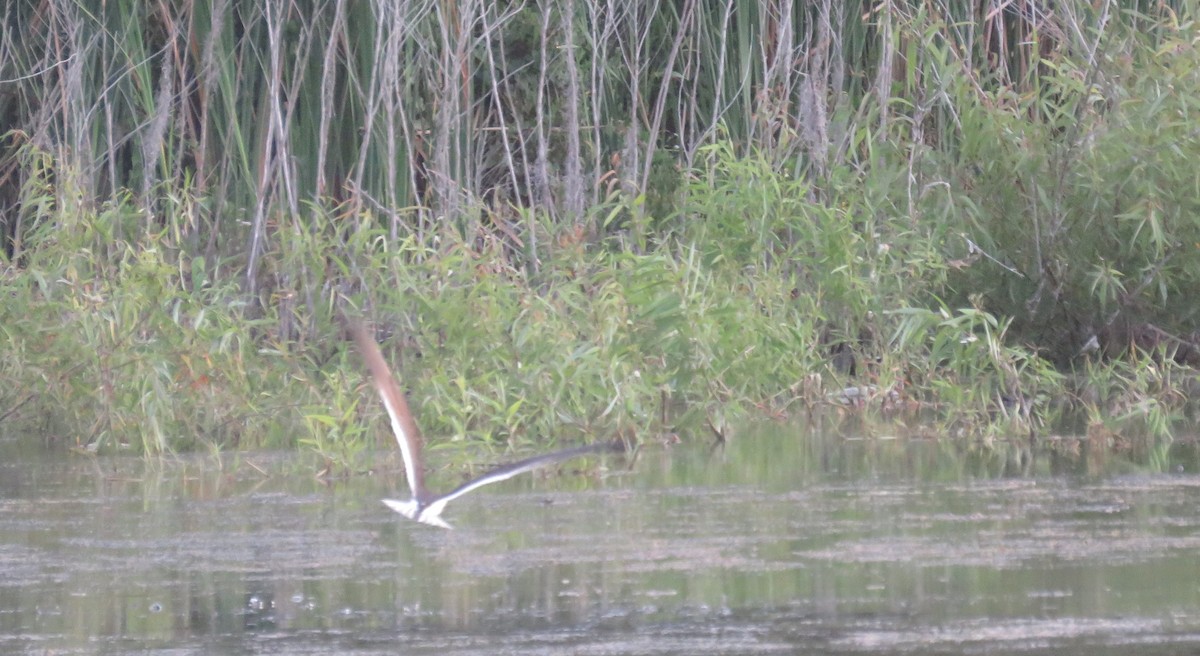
<point>781,543</point>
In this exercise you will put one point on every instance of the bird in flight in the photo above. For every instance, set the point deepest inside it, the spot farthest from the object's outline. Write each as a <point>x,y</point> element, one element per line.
<point>424,506</point>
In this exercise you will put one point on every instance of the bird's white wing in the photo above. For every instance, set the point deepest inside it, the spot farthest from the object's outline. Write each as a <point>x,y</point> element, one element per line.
<point>408,436</point>
<point>407,508</point>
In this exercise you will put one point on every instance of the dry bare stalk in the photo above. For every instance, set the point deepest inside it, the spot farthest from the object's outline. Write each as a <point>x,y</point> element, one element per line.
<point>329,65</point>
<point>455,23</point>
<point>371,100</point>
<point>267,152</point>
<point>685,27</point>
<point>393,98</point>
<point>719,104</point>
<point>152,138</point>
<point>813,116</point>
<point>542,164</point>
<point>631,47</point>
<point>497,104</point>
<point>526,172</point>
<point>74,144</point>
<point>834,13</point>
<point>601,14</point>
<point>209,77</point>
<point>572,168</point>
<point>778,64</point>
<point>284,161</point>
<point>883,77</point>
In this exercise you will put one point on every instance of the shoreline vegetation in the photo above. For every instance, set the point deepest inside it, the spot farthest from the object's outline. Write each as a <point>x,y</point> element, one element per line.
<point>572,220</point>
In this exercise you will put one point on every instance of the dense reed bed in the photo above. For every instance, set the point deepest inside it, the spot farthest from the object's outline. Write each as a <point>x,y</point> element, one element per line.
<point>577,218</point>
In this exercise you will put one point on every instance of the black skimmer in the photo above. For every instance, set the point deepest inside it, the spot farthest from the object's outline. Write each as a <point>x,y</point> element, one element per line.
<point>424,506</point>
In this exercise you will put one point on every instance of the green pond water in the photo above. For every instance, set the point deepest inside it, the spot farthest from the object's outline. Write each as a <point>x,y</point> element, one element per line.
<point>783,542</point>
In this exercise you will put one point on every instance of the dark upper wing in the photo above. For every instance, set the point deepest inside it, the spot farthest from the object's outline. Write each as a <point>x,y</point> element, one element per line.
<point>506,472</point>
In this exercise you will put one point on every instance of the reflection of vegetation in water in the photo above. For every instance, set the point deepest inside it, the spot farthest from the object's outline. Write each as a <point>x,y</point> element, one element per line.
<point>787,523</point>
<point>567,241</point>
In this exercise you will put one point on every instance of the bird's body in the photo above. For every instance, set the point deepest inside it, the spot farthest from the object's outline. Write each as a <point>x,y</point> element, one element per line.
<point>425,507</point>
